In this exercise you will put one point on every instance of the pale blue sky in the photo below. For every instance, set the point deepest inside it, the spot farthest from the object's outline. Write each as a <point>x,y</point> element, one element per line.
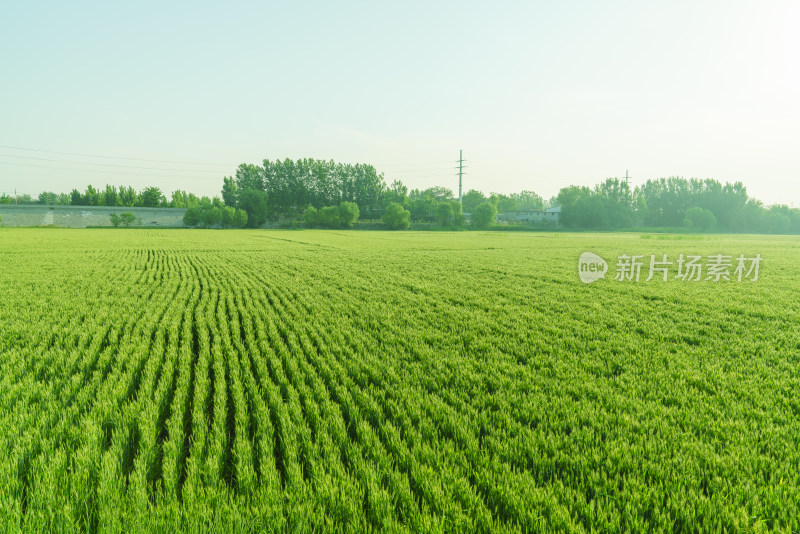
<point>539,95</point>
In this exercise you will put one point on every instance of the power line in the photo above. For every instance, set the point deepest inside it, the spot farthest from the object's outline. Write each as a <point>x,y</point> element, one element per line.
<point>408,164</point>
<point>161,176</point>
<point>417,164</point>
<point>414,177</point>
<point>105,164</point>
<point>152,176</point>
<point>406,170</point>
<point>424,170</point>
<point>115,157</point>
<point>492,181</point>
<point>149,176</point>
<point>103,156</point>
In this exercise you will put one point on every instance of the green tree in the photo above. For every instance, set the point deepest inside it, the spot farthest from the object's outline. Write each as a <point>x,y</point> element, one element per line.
<point>249,176</point>
<point>528,200</point>
<point>231,217</point>
<point>227,216</point>
<point>47,198</point>
<point>329,217</point>
<point>396,217</point>
<point>110,196</point>
<point>484,215</point>
<point>192,217</point>
<point>348,214</point>
<point>439,193</point>
<point>179,199</point>
<point>504,203</point>
<point>294,185</point>
<point>423,209</point>
<point>127,196</point>
<point>127,218</point>
<point>471,200</point>
<point>616,200</point>
<point>310,217</point>
<point>230,192</point>
<point>239,218</point>
<point>444,213</point>
<point>151,197</point>
<point>778,220</point>
<point>573,201</point>
<point>192,201</point>
<point>210,216</point>
<point>699,218</point>
<point>254,202</point>
<point>115,220</point>
<point>396,192</point>
<point>91,197</point>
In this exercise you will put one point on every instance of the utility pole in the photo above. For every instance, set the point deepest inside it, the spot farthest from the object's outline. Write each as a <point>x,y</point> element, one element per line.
<point>460,172</point>
<point>627,178</point>
<point>15,196</point>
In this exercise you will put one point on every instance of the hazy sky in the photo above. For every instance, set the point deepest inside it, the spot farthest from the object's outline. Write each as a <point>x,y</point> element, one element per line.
<point>539,95</point>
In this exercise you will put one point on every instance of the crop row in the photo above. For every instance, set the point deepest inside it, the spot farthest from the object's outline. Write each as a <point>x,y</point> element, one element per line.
<point>348,384</point>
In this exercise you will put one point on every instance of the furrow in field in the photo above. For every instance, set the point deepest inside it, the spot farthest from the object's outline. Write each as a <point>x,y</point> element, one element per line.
<point>172,437</point>
<point>64,423</point>
<point>370,405</point>
<point>191,482</point>
<point>340,395</point>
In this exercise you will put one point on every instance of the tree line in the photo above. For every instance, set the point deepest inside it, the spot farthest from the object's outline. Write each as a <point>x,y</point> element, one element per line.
<point>326,193</point>
<point>111,196</point>
<point>292,186</point>
<point>673,202</point>
<point>314,191</point>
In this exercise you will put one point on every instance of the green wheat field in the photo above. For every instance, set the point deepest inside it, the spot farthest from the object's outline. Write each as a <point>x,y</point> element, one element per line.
<point>318,381</point>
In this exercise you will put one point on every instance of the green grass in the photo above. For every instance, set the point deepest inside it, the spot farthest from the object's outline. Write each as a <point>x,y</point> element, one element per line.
<point>250,381</point>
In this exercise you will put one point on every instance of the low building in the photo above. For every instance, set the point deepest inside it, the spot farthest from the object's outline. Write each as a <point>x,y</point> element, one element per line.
<point>548,215</point>
<point>83,216</point>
